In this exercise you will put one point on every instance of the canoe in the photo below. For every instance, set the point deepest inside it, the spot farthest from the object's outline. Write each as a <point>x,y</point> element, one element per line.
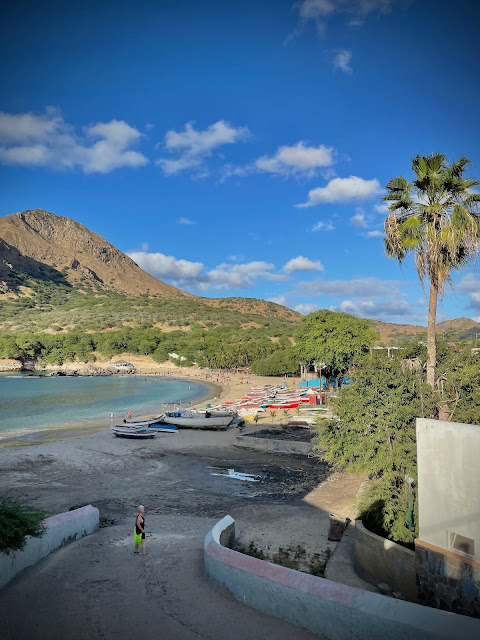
<point>291,405</point>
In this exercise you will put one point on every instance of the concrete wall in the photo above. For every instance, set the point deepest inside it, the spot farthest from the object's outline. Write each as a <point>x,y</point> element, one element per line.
<point>61,529</point>
<point>380,560</point>
<point>448,481</point>
<point>272,446</point>
<point>336,611</point>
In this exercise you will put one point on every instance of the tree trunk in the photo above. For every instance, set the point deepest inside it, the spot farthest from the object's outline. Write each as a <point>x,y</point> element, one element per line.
<point>431,339</point>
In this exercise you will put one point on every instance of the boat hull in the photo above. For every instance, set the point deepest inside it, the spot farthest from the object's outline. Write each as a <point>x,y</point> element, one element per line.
<point>198,422</point>
<point>135,435</point>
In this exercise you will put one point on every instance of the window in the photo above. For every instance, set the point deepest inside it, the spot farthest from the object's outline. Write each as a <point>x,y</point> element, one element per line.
<point>461,544</point>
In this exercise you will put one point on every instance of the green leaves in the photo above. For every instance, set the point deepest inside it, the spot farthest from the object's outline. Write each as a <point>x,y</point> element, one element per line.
<point>373,432</point>
<point>336,341</point>
<point>17,520</point>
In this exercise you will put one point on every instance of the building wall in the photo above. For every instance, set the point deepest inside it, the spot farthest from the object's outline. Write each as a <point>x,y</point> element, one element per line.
<point>448,456</point>
<point>448,481</point>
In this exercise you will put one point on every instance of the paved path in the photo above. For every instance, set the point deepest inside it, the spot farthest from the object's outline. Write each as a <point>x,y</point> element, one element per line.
<point>97,589</point>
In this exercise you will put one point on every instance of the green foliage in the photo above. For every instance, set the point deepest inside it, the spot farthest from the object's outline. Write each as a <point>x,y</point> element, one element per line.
<point>277,363</point>
<point>18,520</point>
<point>373,432</point>
<point>458,374</point>
<point>337,340</point>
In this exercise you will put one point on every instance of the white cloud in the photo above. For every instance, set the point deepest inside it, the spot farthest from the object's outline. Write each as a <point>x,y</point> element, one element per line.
<point>326,226</point>
<point>374,234</point>
<point>193,275</point>
<point>319,11</point>
<point>342,60</point>
<point>302,264</point>
<point>46,140</point>
<point>144,246</point>
<point>236,258</point>
<point>158,264</point>
<point>358,220</point>
<point>306,308</point>
<point>185,221</point>
<point>194,145</point>
<point>297,159</point>
<point>381,208</point>
<point>470,285</point>
<point>283,300</point>
<point>343,190</point>
<point>386,311</point>
<point>357,288</point>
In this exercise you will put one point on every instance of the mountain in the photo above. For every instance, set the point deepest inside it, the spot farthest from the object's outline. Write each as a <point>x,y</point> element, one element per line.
<point>458,329</point>
<point>40,243</point>
<point>44,253</point>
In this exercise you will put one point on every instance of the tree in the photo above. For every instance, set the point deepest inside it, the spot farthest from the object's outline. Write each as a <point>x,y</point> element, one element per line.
<point>436,218</point>
<point>337,340</point>
<point>277,363</point>
<point>373,431</point>
<point>17,521</point>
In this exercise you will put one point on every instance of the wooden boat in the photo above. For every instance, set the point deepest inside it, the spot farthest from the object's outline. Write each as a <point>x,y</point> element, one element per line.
<point>197,420</point>
<point>154,423</point>
<point>284,405</point>
<point>126,431</point>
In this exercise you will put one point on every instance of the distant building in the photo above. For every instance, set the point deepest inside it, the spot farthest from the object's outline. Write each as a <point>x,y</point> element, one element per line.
<point>121,367</point>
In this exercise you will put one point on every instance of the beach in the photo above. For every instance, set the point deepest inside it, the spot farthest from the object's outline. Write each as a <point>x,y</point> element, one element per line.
<point>221,386</point>
<point>183,481</point>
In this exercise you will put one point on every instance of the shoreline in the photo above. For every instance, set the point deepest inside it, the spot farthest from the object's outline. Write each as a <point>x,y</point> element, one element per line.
<point>223,386</point>
<point>74,432</point>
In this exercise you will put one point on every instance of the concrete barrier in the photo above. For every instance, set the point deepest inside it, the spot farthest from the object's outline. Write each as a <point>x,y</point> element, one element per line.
<point>380,560</point>
<point>60,530</point>
<point>336,611</point>
<point>273,446</point>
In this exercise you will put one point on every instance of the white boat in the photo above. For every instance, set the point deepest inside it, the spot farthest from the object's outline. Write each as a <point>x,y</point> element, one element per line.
<point>216,413</point>
<point>197,420</point>
<point>129,431</point>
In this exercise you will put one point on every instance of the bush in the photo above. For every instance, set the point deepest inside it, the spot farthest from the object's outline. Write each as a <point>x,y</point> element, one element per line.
<point>17,521</point>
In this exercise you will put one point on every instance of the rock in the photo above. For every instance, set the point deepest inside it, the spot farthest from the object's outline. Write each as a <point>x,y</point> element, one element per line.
<point>385,589</point>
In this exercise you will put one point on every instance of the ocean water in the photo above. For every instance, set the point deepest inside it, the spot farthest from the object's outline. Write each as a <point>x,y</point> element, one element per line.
<point>34,404</point>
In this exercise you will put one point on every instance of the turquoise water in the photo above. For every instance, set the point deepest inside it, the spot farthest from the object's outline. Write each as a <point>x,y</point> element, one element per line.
<point>33,404</point>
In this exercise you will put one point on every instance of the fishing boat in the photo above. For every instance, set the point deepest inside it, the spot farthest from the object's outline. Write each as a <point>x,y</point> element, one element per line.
<point>284,405</point>
<point>154,423</point>
<point>198,420</point>
<point>128,431</point>
<point>163,427</point>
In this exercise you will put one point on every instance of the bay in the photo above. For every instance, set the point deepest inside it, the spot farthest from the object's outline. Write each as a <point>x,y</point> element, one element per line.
<point>29,404</point>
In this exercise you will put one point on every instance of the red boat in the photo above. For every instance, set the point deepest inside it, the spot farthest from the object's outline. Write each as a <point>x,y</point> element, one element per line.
<point>291,405</point>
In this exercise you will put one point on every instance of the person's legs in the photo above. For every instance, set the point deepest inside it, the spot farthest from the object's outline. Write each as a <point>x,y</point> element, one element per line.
<point>144,551</point>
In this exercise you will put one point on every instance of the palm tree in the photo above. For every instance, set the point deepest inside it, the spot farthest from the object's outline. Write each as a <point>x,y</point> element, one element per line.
<point>435,217</point>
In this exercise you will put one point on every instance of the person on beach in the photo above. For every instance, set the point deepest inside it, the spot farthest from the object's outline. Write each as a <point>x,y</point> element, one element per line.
<point>139,531</point>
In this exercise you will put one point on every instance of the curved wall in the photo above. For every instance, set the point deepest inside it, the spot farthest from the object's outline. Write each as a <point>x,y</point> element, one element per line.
<point>60,530</point>
<point>381,560</point>
<point>336,611</point>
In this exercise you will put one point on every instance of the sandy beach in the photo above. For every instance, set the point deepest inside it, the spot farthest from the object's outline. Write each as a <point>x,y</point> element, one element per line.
<point>222,386</point>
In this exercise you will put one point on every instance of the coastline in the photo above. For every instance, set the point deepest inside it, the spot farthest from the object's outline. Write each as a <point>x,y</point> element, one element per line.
<point>222,386</point>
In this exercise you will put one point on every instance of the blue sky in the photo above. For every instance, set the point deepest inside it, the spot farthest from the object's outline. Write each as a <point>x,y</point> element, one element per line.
<point>242,148</point>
